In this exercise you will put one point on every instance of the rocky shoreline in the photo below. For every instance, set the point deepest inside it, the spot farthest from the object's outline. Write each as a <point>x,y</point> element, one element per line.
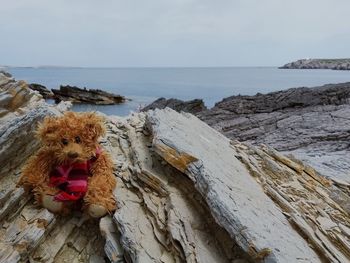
<point>77,95</point>
<point>185,193</point>
<point>336,64</point>
<point>313,124</point>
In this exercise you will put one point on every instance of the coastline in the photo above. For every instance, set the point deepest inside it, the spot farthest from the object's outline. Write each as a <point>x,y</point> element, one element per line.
<point>172,168</point>
<point>310,123</point>
<point>210,84</point>
<point>334,64</point>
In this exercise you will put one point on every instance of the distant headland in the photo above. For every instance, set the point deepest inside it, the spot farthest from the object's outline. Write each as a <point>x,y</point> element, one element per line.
<point>336,64</point>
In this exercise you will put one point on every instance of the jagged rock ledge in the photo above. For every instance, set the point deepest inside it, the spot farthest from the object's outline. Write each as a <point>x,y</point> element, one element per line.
<point>313,124</point>
<point>191,106</point>
<point>336,64</point>
<point>92,96</point>
<point>45,92</point>
<point>185,193</point>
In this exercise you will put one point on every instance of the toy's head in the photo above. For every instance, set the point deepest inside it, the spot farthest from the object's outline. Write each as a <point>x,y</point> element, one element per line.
<point>72,137</point>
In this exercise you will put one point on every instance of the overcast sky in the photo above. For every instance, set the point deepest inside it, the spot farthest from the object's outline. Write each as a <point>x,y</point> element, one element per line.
<point>171,32</point>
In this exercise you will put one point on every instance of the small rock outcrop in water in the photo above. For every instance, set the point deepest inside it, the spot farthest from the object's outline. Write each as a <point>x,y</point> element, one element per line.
<point>338,64</point>
<point>93,96</point>
<point>191,106</point>
<point>45,92</point>
<point>185,193</point>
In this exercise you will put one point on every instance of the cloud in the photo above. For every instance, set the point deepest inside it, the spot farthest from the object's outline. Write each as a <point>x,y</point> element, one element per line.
<point>171,32</point>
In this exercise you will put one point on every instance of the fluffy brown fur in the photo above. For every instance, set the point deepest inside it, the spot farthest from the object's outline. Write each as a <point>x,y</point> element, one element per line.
<point>76,133</point>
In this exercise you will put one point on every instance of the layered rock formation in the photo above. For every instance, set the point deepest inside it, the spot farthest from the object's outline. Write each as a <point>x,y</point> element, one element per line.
<point>191,106</point>
<point>93,96</point>
<point>338,64</point>
<point>311,123</point>
<point>185,193</point>
<point>20,111</point>
<point>45,92</point>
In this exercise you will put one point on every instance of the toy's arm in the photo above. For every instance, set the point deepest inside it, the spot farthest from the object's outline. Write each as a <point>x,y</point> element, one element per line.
<point>35,172</point>
<point>102,183</point>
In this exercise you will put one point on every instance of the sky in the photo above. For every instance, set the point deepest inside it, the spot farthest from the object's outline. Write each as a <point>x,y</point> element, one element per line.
<point>171,33</point>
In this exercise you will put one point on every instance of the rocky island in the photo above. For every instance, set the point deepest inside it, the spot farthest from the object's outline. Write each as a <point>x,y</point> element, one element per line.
<point>336,64</point>
<point>75,94</point>
<point>45,92</point>
<point>91,96</point>
<point>185,193</point>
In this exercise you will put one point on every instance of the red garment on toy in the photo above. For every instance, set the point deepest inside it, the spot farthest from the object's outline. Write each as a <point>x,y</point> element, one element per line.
<point>71,179</point>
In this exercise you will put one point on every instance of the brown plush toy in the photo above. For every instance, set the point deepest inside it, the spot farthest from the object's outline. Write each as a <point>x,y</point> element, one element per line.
<point>71,170</point>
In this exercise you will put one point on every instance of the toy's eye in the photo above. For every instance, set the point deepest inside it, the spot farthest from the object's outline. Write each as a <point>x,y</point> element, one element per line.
<point>77,139</point>
<point>64,141</point>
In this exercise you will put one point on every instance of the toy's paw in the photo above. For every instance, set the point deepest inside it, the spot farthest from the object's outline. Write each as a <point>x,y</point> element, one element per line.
<point>97,211</point>
<point>50,204</point>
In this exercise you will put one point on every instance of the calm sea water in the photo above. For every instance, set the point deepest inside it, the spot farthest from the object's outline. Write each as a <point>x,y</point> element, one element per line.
<point>144,85</point>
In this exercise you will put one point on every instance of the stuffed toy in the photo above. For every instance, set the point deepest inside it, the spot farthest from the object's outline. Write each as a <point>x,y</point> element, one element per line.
<point>71,170</point>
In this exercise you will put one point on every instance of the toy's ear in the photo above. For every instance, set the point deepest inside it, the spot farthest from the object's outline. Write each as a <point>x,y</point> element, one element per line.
<point>94,125</point>
<point>47,128</point>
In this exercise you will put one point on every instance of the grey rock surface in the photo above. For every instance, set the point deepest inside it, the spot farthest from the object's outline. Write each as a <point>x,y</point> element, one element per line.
<point>21,110</point>
<point>223,182</point>
<point>311,123</point>
<point>337,64</point>
<point>191,106</point>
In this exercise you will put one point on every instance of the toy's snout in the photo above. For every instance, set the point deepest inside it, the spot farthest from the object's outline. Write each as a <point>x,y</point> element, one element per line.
<point>72,155</point>
<point>73,152</point>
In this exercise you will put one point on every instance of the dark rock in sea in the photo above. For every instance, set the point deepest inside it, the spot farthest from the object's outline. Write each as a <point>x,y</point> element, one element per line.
<point>191,106</point>
<point>93,96</point>
<point>311,123</point>
<point>45,92</point>
<point>337,64</point>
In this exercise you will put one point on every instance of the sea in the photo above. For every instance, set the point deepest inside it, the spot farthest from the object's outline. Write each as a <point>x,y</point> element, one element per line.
<point>144,85</point>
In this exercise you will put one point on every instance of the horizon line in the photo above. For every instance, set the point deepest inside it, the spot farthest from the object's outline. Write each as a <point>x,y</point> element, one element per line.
<point>127,67</point>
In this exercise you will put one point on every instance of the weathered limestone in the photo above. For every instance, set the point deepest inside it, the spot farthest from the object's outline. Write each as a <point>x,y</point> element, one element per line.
<point>224,182</point>
<point>20,111</point>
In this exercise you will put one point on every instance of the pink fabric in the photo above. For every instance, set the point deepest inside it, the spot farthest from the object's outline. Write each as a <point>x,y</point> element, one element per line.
<point>71,179</point>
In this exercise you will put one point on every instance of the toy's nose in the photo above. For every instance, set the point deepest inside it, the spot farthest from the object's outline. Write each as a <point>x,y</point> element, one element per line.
<point>73,155</point>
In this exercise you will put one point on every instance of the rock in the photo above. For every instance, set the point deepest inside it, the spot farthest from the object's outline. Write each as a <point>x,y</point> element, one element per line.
<point>310,123</point>
<point>338,64</point>
<point>294,98</point>
<point>223,181</point>
<point>185,180</point>
<point>15,95</point>
<point>93,96</point>
<point>21,109</point>
<point>6,74</point>
<point>47,94</point>
<point>185,193</point>
<point>191,106</point>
